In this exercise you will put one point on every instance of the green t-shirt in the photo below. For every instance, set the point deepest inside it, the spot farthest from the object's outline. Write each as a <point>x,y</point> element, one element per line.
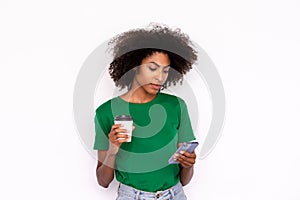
<point>159,125</point>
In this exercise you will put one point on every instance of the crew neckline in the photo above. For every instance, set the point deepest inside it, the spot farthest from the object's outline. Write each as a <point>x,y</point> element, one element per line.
<point>149,102</point>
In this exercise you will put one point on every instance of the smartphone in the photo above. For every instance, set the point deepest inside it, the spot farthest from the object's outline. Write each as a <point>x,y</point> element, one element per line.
<point>186,146</point>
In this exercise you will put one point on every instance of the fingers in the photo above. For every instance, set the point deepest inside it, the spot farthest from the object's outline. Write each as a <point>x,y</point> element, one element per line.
<point>117,137</point>
<point>185,163</point>
<point>186,159</point>
<point>188,155</point>
<point>117,134</point>
<point>121,140</point>
<point>116,128</point>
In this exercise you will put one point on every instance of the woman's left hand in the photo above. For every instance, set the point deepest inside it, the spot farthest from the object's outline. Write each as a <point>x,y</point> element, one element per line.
<point>186,159</point>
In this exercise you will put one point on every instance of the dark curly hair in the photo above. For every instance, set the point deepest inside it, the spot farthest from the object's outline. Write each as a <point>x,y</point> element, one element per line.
<point>131,47</point>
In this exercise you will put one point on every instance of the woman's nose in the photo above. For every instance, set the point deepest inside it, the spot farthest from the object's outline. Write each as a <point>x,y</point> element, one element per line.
<point>160,76</point>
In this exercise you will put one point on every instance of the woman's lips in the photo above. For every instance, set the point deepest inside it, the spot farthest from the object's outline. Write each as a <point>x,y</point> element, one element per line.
<point>155,86</point>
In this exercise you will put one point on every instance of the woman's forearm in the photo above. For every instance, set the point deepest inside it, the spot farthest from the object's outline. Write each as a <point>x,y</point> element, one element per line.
<point>186,175</point>
<point>105,172</point>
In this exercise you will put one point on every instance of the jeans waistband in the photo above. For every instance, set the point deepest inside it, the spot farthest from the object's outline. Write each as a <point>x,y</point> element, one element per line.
<point>172,190</point>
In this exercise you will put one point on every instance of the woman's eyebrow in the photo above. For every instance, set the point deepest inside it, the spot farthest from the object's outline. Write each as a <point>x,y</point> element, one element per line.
<point>159,65</point>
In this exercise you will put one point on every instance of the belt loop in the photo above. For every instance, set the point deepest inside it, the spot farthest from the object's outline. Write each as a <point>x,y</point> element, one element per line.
<point>172,193</point>
<point>137,195</point>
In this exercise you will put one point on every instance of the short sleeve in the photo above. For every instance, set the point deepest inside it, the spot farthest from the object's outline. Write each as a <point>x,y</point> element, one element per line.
<point>102,128</point>
<point>185,130</point>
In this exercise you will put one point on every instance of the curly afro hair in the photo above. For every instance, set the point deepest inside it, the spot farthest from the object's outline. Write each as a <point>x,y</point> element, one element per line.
<point>131,47</point>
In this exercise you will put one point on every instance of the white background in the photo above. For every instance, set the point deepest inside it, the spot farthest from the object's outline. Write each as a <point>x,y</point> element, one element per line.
<point>255,46</point>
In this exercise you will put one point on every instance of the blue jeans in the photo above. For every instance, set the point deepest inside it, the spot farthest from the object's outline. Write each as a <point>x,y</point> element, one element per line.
<point>126,192</point>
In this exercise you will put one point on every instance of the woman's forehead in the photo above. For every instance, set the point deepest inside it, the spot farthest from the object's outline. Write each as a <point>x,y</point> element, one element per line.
<point>159,58</point>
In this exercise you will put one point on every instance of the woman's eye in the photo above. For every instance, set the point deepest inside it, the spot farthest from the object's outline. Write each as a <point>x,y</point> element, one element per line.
<point>166,72</point>
<point>152,69</point>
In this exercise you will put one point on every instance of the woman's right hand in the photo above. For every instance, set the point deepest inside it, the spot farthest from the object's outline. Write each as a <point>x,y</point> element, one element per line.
<point>116,137</point>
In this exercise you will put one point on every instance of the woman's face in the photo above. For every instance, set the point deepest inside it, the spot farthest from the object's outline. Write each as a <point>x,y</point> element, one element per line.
<point>153,72</point>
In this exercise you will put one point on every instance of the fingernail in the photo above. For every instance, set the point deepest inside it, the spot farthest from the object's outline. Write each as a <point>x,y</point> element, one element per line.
<point>181,152</point>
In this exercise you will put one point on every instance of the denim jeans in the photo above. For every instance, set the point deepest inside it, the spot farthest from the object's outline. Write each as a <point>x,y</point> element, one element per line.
<point>129,193</point>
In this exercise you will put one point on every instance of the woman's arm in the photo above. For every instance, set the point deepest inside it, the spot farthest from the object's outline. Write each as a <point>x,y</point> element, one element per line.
<point>187,161</point>
<point>105,168</point>
<point>107,158</point>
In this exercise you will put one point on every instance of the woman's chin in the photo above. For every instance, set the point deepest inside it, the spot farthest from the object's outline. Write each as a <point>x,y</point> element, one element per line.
<point>152,91</point>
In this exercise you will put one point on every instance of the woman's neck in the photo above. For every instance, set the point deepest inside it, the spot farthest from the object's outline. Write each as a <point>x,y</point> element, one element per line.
<point>138,95</point>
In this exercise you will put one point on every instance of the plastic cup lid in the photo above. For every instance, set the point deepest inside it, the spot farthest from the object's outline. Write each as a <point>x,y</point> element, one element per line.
<point>123,118</point>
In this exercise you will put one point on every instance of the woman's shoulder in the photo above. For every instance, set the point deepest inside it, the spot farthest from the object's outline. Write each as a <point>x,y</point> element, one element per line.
<point>106,105</point>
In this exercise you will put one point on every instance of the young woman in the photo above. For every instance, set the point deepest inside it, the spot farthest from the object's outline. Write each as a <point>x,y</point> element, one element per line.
<point>145,63</point>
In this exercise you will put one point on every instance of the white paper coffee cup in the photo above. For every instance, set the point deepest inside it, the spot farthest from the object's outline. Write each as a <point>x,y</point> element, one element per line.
<point>127,122</point>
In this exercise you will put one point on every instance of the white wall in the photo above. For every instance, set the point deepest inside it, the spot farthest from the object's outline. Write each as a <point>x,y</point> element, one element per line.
<point>254,45</point>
